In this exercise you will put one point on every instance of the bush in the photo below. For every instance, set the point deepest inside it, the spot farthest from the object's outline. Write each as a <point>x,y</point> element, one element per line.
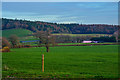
<point>105,39</point>
<point>20,46</point>
<point>6,49</point>
<point>27,46</point>
<point>5,42</point>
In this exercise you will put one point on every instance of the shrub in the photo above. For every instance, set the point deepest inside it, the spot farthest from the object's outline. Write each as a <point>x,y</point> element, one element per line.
<point>27,46</point>
<point>19,46</point>
<point>6,49</point>
<point>5,42</point>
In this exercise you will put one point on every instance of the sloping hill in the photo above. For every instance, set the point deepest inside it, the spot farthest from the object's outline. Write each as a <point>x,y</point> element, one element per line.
<point>33,25</point>
<point>18,32</point>
<point>59,28</point>
<point>91,28</point>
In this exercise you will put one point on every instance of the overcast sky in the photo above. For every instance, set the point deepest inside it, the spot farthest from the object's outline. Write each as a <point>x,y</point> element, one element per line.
<point>63,12</point>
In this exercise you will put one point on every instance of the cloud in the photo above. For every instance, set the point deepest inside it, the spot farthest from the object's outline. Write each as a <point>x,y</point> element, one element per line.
<point>48,18</point>
<point>67,22</point>
<point>63,12</point>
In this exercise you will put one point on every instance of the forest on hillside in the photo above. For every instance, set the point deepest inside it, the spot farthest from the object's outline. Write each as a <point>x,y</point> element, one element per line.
<point>59,28</point>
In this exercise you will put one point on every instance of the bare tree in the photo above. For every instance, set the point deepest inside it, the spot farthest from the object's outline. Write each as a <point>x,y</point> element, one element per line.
<point>14,40</point>
<point>45,38</point>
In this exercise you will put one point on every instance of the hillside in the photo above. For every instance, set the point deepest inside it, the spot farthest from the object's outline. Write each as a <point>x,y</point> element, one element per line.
<point>58,28</point>
<point>18,32</point>
<point>92,28</point>
<point>33,26</point>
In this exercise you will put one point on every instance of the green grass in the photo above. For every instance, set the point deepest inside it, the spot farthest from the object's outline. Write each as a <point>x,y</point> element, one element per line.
<point>18,32</point>
<point>21,33</point>
<point>83,43</point>
<point>93,35</point>
<point>63,62</point>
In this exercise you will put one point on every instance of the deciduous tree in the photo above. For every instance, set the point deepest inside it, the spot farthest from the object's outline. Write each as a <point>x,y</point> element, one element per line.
<point>14,40</point>
<point>5,42</point>
<point>45,38</point>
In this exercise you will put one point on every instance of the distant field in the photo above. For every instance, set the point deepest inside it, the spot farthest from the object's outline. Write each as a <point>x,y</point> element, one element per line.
<point>93,35</point>
<point>18,32</point>
<point>63,62</point>
<point>33,44</point>
<point>81,43</point>
<point>24,32</point>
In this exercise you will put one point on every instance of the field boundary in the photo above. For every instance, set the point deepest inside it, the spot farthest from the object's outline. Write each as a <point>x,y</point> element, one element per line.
<point>81,45</point>
<point>87,44</point>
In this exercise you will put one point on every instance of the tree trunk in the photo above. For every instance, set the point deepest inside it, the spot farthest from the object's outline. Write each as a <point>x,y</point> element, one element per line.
<point>47,48</point>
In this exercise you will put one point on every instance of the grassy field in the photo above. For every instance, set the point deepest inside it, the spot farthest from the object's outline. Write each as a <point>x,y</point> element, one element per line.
<point>62,62</point>
<point>93,35</point>
<point>18,32</point>
<point>83,43</point>
<point>35,43</point>
<point>23,34</point>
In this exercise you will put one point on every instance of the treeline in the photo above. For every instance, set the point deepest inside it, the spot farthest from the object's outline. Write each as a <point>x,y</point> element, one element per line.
<point>80,39</point>
<point>59,28</point>
<point>91,29</point>
<point>33,25</point>
<point>104,39</point>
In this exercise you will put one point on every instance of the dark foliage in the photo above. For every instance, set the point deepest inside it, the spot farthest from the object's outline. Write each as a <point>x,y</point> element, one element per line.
<point>33,26</point>
<point>104,39</point>
<point>59,28</point>
<point>91,29</point>
<point>70,39</point>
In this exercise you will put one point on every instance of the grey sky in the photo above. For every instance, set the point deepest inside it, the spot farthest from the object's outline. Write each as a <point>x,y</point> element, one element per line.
<point>63,12</point>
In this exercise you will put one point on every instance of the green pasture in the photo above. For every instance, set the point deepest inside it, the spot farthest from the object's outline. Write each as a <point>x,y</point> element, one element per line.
<point>83,43</point>
<point>93,35</point>
<point>18,32</point>
<point>36,44</point>
<point>62,62</point>
<point>23,34</point>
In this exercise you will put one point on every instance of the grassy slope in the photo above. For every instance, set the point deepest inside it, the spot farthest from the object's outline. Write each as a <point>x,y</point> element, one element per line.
<point>21,33</point>
<point>18,32</point>
<point>71,61</point>
<point>24,32</point>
